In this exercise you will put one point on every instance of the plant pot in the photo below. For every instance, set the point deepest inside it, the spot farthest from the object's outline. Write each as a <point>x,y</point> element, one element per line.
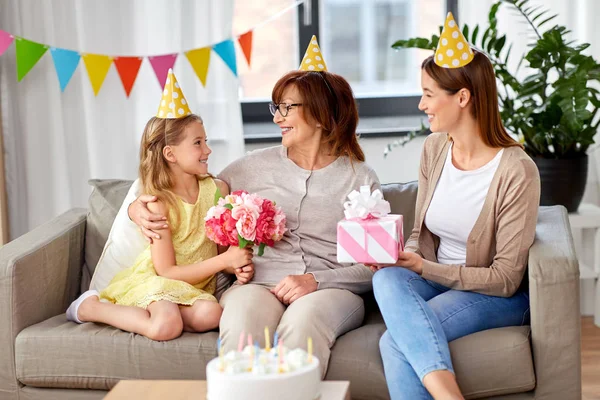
<point>563,181</point>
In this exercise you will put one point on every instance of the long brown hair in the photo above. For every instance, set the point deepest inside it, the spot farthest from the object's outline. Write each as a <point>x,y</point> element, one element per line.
<point>328,100</point>
<point>478,78</point>
<point>154,170</point>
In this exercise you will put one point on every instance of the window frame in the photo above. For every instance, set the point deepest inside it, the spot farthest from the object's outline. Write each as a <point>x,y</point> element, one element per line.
<point>369,106</point>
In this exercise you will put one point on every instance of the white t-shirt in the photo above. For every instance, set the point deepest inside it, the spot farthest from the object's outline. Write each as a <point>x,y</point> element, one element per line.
<point>456,204</point>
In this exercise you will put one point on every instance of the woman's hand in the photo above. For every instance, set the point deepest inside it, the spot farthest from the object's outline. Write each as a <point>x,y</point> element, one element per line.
<point>148,221</point>
<point>237,258</point>
<point>292,287</point>
<point>244,274</point>
<point>406,259</point>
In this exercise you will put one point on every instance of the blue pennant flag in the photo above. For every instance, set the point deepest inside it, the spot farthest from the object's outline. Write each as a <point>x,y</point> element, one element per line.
<point>65,63</point>
<point>226,50</point>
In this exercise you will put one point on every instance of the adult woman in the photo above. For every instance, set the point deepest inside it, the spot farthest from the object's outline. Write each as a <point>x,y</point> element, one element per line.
<point>299,289</point>
<point>476,212</point>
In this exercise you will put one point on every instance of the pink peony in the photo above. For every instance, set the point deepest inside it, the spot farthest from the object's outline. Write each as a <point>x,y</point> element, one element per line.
<point>246,217</point>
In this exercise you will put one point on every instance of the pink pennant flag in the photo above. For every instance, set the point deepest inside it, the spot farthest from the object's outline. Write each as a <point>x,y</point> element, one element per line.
<point>5,41</point>
<point>161,66</point>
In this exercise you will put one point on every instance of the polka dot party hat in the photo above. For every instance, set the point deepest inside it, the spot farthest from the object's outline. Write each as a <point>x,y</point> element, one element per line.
<point>453,50</point>
<point>313,59</point>
<point>173,104</point>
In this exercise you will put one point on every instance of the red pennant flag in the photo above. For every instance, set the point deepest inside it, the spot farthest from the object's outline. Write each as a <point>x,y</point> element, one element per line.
<point>246,42</point>
<point>128,68</point>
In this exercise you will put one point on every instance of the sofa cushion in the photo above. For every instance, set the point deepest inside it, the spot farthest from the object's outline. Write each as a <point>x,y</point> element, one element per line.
<point>104,203</point>
<point>60,354</point>
<point>402,198</point>
<point>480,361</point>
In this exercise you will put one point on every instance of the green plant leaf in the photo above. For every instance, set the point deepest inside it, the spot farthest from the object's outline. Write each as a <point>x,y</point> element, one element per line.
<point>474,35</point>
<point>261,249</point>
<point>465,31</point>
<point>243,242</point>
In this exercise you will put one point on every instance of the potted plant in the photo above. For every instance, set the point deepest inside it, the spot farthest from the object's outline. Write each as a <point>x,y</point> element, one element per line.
<point>553,108</point>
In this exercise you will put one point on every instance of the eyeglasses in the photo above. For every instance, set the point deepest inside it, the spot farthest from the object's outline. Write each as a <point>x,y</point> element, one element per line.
<point>283,108</point>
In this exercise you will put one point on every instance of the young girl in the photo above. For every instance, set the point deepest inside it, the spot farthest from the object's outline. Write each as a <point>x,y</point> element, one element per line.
<point>170,287</point>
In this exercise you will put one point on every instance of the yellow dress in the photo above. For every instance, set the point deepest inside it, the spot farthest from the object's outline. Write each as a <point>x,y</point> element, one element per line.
<point>139,285</point>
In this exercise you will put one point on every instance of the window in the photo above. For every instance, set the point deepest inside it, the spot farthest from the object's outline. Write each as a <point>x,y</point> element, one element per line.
<point>355,37</point>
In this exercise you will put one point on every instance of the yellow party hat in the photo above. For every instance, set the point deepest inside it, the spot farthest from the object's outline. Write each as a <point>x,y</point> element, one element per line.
<point>453,50</point>
<point>313,59</point>
<point>173,104</point>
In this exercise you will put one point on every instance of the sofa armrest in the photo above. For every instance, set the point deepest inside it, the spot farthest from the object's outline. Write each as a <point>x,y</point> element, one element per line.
<point>555,313</point>
<point>39,277</point>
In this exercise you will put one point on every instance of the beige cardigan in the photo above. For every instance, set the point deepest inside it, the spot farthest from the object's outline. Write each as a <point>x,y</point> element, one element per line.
<point>498,245</point>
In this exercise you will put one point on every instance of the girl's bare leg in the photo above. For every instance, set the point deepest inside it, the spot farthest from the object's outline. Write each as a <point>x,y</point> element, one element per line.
<point>202,316</point>
<point>160,321</point>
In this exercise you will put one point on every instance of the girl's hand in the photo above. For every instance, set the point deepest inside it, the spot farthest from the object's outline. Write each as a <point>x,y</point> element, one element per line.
<point>244,274</point>
<point>406,259</point>
<point>237,258</point>
<point>148,221</point>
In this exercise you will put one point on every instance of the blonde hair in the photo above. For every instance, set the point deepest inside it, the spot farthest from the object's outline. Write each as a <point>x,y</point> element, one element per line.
<point>154,172</point>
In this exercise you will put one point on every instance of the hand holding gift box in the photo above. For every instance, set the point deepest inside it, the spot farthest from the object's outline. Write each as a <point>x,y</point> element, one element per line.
<point>369,233</point>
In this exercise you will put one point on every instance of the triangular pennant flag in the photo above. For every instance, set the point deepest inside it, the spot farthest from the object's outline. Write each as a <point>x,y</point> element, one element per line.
<point>97,66</point>
<point>173,103</point>
<point>453,50</point>
<point>28,54</point>
<point>161,66</point>
<point>5,40</point>
<point>313,59</point>
<point>128,68</point>
<point>226,50</point>
<point>65,63</point>
<point>200,58</point>
<point>245,42</point>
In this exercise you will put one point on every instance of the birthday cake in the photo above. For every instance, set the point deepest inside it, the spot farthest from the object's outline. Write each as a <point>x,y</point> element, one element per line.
<point>263,374</point>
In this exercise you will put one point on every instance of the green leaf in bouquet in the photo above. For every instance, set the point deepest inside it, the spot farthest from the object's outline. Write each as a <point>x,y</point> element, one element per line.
<point>261,249</point>
<point>243,242</point>
<point>228,206</point>
<point>218,195</point>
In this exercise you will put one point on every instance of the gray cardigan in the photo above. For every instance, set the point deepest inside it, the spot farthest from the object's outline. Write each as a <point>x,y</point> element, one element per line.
<point>313,204</point>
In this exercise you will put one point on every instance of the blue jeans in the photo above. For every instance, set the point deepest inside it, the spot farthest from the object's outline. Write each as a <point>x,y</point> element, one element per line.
<point>422,317</point>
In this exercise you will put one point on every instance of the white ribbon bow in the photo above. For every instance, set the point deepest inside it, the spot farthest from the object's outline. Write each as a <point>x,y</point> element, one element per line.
<point>365,204</point>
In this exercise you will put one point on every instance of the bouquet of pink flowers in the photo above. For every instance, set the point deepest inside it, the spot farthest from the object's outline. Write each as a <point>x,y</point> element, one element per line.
<point>243,219</point>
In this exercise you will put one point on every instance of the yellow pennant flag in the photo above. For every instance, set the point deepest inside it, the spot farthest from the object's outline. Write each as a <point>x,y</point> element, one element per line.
<point>200,58</point>
<point>97,66</point>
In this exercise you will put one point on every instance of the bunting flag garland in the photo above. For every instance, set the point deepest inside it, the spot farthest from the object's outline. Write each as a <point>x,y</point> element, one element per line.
<point>226,50</point>
<point>28,54</point>
<point>128,68</point>
<point>161,66</point>
<point>65,63</point>
<point>97,66</point>
<point>199,58</point>
<point>245,42</point>
<point>5,41</point>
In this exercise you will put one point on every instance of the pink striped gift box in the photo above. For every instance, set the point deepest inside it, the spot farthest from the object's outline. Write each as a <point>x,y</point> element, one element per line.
<point>372,241</point>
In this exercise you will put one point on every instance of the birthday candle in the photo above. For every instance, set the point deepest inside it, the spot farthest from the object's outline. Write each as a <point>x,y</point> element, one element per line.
<point>267,339</point>
<point>220,351</point>
<point>241,342</point>
<point>276,339</point>
<point>310,349</point>
<point>250,340</point>
<point>280,354</point>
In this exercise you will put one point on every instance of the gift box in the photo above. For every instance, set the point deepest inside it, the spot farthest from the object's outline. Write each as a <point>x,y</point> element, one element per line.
<point>369,234</point>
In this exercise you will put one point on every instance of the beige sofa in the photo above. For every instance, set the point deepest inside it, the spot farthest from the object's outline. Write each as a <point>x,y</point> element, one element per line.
<point>43,356</point>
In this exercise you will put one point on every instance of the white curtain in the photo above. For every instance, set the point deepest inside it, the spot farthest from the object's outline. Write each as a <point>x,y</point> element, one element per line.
<point>54,142</point>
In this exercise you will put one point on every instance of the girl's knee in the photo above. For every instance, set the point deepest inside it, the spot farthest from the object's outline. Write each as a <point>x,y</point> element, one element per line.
<point>207,316</point>
<point>166,328</point>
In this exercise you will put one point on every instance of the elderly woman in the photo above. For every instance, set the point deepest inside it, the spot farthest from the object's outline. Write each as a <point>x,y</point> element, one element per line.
<point>299,289</point>
<point>463,268</point>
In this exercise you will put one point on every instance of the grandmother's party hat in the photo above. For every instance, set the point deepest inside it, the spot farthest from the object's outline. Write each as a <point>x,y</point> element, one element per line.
<point>453,50</point>
<point>313,59</point>
<point>173,104</point>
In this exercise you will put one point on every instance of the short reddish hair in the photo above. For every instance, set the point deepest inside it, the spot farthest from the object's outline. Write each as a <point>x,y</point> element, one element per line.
<point>328,100</point>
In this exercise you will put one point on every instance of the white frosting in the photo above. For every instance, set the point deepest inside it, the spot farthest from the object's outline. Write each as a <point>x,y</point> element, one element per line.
<point>260,375</point>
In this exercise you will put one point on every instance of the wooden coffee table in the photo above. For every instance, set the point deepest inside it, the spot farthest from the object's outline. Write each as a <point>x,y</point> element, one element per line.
<point>196,390</point>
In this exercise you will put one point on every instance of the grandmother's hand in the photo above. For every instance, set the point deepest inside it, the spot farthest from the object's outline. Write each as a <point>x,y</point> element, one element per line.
<point>406,259</point>
<point>244,274</point>
<point>292,287</point>
<point>148,221</point>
